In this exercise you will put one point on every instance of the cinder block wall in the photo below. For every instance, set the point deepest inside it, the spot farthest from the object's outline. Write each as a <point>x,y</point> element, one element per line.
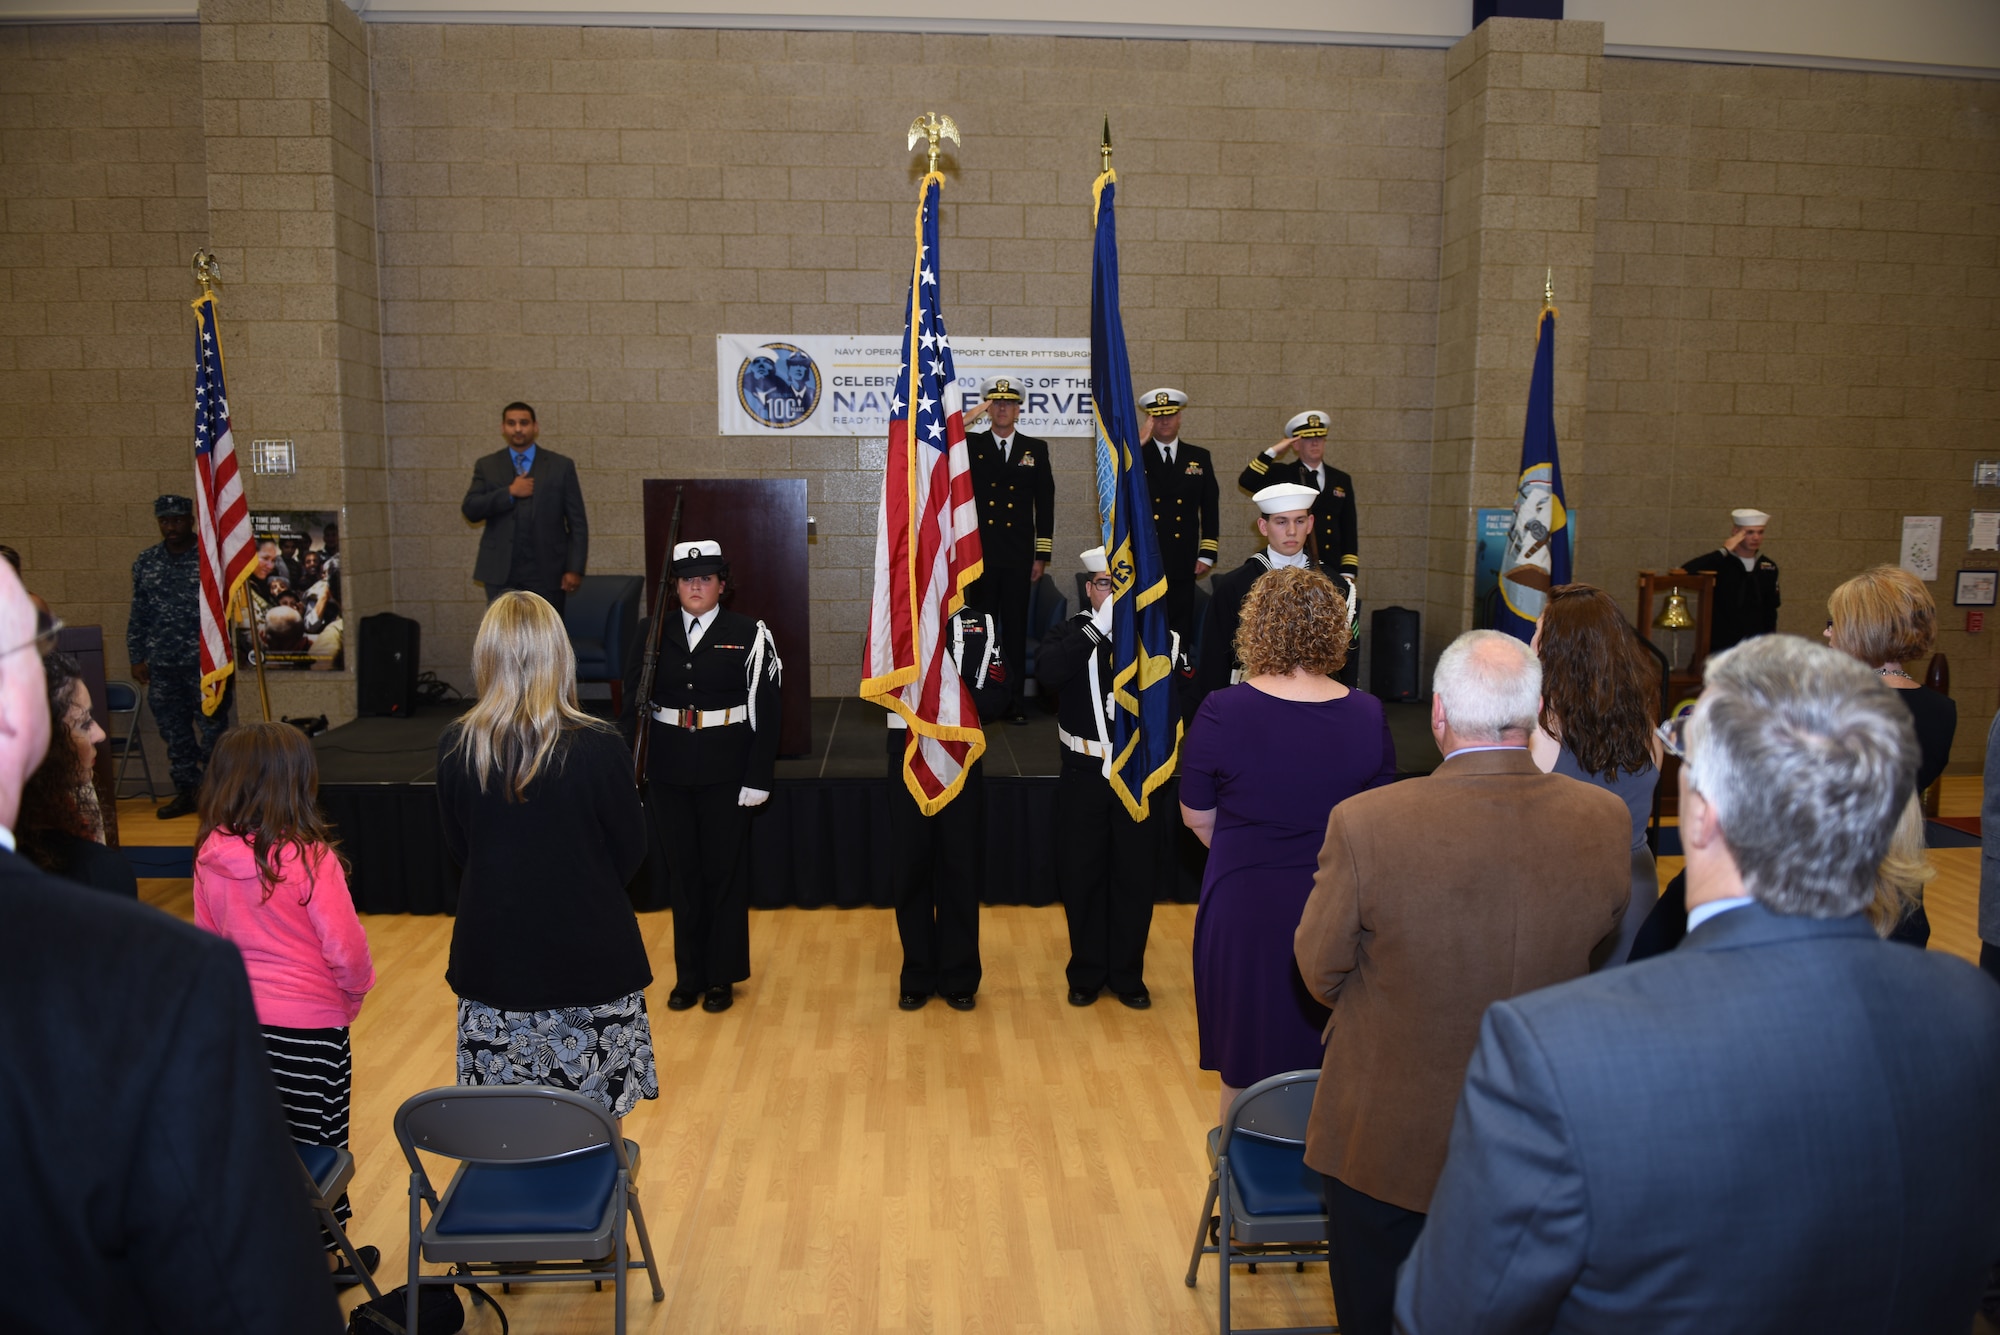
<point>1791,300</point>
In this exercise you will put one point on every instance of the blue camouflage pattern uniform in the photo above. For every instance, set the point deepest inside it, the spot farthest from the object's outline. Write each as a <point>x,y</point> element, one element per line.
<point>164,633</point>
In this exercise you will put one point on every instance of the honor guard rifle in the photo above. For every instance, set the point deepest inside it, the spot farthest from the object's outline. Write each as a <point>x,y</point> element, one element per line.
<point>643,704</point>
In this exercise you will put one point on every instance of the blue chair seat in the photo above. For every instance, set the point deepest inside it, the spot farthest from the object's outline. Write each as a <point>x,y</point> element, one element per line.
<point>1272,1177</point>
<point>318,1159</point>
<point>565,1195</point>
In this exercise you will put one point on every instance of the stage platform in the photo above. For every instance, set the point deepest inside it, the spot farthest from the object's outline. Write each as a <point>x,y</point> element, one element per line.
<point>821,841</point>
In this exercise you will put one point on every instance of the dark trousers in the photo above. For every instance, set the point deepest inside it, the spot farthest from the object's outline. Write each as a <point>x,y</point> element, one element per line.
<point>1003,593</point>
<point>550,591</point>
<point>1106,874</point>
<point>1180,606</point>
<point>1989,958</point>
<point>1368,1241</point>
<point>706,838</point>
<point>175,695</point>
<point>938,873</point>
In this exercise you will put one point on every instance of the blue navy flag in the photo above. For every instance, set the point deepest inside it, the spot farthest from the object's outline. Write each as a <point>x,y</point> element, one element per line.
<point>1538,555</point>
<point>1145,732</point>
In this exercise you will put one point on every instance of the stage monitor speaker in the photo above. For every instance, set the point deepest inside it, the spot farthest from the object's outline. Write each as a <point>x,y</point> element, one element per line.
<point>1392,662</point>
<point>386,666</point>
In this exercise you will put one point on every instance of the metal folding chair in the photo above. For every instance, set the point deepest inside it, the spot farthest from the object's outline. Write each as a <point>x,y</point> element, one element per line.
<point>328,1170</point>
<point>1269,1200</point>
<point>544,1181</point>
<point>123,699</point>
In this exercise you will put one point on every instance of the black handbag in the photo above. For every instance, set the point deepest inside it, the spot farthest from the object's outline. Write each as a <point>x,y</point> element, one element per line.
<point>439,1311</point>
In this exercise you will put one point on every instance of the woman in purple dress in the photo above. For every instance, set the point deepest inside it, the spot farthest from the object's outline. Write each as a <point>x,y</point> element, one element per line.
<point>1263,765</point>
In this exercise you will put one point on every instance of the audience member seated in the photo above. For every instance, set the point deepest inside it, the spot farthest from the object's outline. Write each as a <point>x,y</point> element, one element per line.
<point>1262,765</point>
<point>1599,697</point>
<point>1783,1125</point>
<point>540,808</point>
<point>268,879</point>
<point>150,1184</point>
<point>1436,898</point>
<point>61,828</point>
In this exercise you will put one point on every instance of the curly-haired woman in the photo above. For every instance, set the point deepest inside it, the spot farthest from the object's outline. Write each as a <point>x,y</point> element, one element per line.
<point>1599,698</point>
<point>61,826</point>
<point>1264,763</point>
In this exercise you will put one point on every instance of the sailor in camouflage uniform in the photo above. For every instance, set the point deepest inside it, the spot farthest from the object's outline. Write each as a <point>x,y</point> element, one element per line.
<point>163,642</point>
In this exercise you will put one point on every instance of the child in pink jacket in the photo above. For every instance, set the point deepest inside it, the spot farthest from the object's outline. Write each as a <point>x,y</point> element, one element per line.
<point>268,879</point>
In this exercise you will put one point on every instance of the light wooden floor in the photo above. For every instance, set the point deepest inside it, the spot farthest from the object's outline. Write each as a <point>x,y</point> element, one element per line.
<point>820,1161</point>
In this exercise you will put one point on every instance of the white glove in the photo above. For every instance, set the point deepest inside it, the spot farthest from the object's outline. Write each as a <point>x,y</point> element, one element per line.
<point>751,797</point>
<point>1101,618</point>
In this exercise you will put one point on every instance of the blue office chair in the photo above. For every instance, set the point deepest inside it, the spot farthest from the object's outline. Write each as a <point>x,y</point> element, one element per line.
<point>1269,1200</point>
<point>544,1181</point>
<point>601,618</point>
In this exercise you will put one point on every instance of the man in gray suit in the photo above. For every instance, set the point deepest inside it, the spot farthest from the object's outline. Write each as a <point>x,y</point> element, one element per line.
<point>1785,1124</point>
<point>536,537</point>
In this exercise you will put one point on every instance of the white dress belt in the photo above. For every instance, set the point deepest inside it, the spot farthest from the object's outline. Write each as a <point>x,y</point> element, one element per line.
<point>696,719</point>
<point>1082,745</point>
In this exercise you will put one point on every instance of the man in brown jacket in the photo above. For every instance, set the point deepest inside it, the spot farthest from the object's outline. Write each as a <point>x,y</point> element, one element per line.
<point>1434,899</point>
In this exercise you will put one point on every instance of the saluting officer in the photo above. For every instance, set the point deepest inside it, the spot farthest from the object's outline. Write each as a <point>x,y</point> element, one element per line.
<point>1286,521</point>
<point>1107,868</point>
<point>939,861</point>
<point>710,758</point>
<point>163,645</point>
<point>1016,491</point>
<point>1746,583</point>
<point>1334,537</point>
<point>1186,502</point>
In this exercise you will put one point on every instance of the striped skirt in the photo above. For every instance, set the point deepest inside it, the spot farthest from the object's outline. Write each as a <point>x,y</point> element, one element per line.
<point>315,1074</point>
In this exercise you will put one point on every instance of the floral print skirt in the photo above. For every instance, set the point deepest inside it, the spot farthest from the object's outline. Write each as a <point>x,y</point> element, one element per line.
<point>603,1051</point>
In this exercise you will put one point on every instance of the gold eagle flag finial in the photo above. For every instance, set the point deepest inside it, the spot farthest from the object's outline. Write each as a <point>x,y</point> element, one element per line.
<point>207,269</point>
<point>934,127</point>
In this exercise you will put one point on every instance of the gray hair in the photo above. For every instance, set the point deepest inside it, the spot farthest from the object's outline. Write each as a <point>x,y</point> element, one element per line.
<point>1808,760</point>
<point>1490,684</point>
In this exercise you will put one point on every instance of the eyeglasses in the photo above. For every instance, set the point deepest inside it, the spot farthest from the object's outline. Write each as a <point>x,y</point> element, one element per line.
<point>1672,735</point>
<point>44,642</point>
<point>1104,582</point>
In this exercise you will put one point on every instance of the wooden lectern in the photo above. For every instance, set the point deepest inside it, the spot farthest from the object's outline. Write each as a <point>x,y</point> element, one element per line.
<point>761,524</point>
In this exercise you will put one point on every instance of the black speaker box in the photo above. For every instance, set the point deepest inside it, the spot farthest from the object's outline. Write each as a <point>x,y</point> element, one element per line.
<point>386,668</point>
<point>1394,634</point>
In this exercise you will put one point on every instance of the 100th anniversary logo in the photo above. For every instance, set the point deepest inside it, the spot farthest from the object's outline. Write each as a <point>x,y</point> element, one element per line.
<point>778,385</point>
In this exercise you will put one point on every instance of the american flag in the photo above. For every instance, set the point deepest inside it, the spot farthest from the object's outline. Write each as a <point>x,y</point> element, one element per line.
<point>222,515</point>
<point>926,545</point>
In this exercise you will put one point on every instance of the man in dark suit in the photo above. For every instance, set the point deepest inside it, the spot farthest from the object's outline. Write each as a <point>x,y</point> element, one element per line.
<point>537,537</point>
<point>1016,491</point>
<point>150,1183</point>
<point>709,761</point>
<point>1336,537</point>
<point>1186,503</point>
<point>1785,1123</point>
<point>1746,599</point>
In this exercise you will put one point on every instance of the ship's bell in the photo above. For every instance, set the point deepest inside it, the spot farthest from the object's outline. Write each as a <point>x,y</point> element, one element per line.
<point>1675,615</point>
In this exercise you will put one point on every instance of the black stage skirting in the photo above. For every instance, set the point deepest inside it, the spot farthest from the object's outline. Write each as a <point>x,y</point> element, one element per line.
<point>818,843</point>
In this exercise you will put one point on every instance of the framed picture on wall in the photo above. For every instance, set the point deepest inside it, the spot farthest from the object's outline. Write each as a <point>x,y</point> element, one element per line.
<point>1976,588</point>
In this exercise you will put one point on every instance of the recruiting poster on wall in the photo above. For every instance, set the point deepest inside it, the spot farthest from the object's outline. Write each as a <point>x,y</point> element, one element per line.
<point>836,385</point>
<point>294,589</point>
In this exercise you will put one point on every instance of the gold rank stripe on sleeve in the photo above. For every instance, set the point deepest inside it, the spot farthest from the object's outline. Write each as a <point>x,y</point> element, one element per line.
<point>1260,465</point>
<point>1210,546</point>
<point>1351,560</point>
<point>1045,546</point>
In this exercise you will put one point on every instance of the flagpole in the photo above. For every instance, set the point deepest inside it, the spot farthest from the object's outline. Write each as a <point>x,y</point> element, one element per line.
<point>207,271</point>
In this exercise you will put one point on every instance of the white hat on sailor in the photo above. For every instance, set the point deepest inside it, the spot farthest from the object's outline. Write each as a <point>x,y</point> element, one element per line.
<point>1001,389</point>
<point>1749,518</point>
<point>1311,422</point>
<point>1162,402</point>
<point>1285,497</point>
<point>1095,561</point>
<point>697,558</point>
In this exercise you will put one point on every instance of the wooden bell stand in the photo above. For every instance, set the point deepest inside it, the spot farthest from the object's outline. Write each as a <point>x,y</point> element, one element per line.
<point>1685,682</point>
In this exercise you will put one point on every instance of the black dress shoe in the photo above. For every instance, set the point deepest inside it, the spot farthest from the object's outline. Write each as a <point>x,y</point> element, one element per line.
<point>681,999</point>
<point>1081,996</point>
<point>717,1000</point>
<point>371,1257</point>
<point>959,1001</point>
<point>184,804</point>
<point>912,1001</point>
<point>1019,720</point>
<point>1138,1001</point>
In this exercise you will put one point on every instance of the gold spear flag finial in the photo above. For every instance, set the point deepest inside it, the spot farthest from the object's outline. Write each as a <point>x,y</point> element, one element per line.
<point>1105,147</point>
<point>933,127</point>
<point>207,269</point>
<point>1548,289</point>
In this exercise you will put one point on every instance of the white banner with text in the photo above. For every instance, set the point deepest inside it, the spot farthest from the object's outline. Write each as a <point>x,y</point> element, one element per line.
<point>839,385</point>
